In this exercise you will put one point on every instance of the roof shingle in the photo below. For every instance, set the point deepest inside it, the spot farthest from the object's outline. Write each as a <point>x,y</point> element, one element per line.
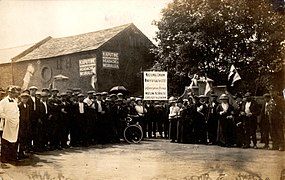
<point>72,44</point>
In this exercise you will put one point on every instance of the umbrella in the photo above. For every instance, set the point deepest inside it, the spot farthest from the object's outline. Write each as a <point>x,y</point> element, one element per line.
<point>118,89</point>
<point>60,77</point>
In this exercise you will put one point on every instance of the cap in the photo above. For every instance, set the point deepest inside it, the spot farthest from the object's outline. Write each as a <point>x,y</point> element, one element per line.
<point>138,99</point>
<point>266,95</point>
<point>76,89</point>
<point>24,95</point>
<point>185,100</point>
<point>97,94</point>
<point>80,95</point>
<point>68,91</point>
<point>172,99</point>
<point>132,98</point>
<point>224,97</point>
<point>90,92</point>
<point>33,87</point>
<point>120,94</point>
<point>104,93</point>
<point>113,95</point>
<point>54,89</point>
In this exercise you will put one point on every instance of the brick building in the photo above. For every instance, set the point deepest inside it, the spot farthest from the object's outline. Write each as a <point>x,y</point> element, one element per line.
<point>115,56</point>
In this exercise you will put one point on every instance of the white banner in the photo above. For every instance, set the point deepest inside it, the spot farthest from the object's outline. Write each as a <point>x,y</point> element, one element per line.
<point>155,85</point>
<point>110,60</point>
<point>87,66</point>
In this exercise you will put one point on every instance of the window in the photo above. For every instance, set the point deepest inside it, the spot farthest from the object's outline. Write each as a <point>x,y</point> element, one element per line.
<point>59,64</point>
<point>68,63</point>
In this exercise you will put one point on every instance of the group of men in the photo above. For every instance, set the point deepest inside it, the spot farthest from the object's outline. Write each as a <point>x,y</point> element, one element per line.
<point>36,121</point>
<point>231,121</point>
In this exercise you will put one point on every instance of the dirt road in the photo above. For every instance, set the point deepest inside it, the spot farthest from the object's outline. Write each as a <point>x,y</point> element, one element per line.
<point>152,159</point>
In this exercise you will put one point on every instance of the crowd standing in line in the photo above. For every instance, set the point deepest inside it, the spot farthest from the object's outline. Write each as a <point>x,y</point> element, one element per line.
<point>46,120</point>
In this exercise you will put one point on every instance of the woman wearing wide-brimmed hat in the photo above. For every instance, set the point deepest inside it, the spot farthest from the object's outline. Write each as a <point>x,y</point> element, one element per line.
<point>225,111</point>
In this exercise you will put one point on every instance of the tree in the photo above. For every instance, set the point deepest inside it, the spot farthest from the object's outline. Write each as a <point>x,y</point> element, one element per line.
<point>207,36</point>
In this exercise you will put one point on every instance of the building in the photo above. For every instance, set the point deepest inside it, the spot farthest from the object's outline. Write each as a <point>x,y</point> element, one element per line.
<point>114,56</point>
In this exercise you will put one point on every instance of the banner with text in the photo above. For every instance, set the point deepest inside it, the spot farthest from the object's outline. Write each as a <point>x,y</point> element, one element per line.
<point>110,60</point>
<point>155,85</point>
<point>87,66</point>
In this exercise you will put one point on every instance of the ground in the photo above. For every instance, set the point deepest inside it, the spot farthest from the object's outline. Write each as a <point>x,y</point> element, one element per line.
<point>151,159</point>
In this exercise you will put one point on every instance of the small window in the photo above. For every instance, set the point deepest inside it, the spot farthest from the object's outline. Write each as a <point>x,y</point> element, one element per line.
<point>59,64</point>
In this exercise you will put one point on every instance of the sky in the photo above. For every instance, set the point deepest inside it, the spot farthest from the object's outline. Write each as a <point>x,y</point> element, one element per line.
<point>26,22</point>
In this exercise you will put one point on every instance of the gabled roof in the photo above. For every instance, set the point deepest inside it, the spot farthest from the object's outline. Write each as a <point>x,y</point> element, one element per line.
<point>67,45</point>
<point>8,53</point>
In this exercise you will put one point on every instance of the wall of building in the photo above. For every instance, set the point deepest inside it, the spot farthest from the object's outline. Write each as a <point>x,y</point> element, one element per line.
<point>5,75</point>
<point>134,57</point>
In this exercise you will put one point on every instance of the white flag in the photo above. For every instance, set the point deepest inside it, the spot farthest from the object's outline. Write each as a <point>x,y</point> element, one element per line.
<point>233,75</point>
<point>207,88</point>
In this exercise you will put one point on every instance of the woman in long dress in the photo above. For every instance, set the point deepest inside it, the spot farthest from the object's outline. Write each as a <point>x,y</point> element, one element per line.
<point>225,111</point>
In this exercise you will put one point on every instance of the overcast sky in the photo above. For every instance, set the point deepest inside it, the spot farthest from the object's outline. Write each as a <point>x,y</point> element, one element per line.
<point>26,22</point>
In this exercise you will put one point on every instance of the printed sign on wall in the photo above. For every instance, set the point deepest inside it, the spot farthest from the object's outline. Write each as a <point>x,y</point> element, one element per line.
<point>110,60</point>
<point>87,66</point>
<point>155,85</point>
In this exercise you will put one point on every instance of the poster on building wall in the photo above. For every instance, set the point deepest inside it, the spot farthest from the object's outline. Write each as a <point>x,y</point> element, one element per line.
<point>110,60</point>
<point>155,85</point>
<point>87,66</point>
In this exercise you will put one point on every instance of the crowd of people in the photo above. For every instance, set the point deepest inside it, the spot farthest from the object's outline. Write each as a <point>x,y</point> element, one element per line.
<point>37,121</point>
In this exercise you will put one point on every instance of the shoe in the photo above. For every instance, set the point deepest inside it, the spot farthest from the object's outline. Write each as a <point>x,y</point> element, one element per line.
<point>255,147</point>
<point>281,149</point>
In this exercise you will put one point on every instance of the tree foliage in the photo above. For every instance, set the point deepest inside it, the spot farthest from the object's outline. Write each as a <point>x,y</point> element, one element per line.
<point>207,36</point>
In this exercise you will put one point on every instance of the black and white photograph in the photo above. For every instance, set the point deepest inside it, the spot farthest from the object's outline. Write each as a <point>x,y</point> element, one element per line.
<point>142,89</point>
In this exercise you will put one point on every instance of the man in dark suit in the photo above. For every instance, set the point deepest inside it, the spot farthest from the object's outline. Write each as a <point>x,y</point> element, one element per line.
<point>81,122</point>
<point>24,125</point>
<point>250,110</point>
<point>54,104</point>
<point>46,119</point>
<point>35,116</point>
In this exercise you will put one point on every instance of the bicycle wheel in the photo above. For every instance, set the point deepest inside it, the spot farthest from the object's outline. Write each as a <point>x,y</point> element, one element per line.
<point>133,134</point>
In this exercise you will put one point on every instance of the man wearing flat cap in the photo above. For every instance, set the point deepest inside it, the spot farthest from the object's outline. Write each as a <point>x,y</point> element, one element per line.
<point>9,113</point>
<point>250,110</point>
<point>55,110</point>
<point>90,101</point>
